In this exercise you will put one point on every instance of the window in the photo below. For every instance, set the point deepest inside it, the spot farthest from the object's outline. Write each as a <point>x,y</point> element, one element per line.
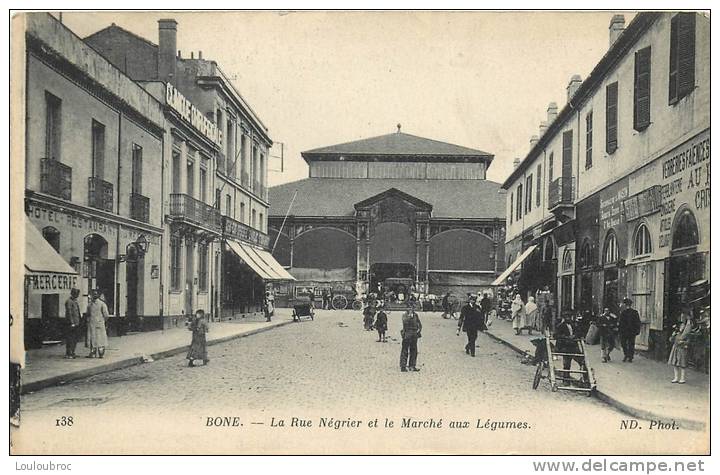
<point>176,172</point>
<point>175,263</point>
<point>230,137</point>
<point>610,253</point>
<point>228,205</point>
<point>528,193</point>
<point>511,208</point>
<point>611,117</point>
<point>566,170</point>
<point>242,212</point>
<point>567,262</point>
<point>52,126</point>
<point>686,231</point>
<point>550,167</point>
<point>203,267</point>
<point>98,149</point>
<point>260,224</point>
<point>203,184</point>
<point>682,56</point>
<point>253,220</point>
<point>643,244</point>
<point>191,178</point>
<point>52,236</point>
<point>586,255</point>
<point>218,197</point>
<point>137,156</point>
<point>519,203</point>
<point>641,94</point>
<point>588,139</point>
<point>539,185</point>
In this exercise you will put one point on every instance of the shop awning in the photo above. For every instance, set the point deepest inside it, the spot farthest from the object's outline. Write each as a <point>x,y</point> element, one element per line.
<point>260,261</point>
<point>46,271</point>
<point>511,268</point>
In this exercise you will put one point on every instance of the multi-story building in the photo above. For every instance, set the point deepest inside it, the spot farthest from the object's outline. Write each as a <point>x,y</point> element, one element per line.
<point>93,167</point>
<point>217,152</point>
<point>612,200</point>
<point>390,211</point>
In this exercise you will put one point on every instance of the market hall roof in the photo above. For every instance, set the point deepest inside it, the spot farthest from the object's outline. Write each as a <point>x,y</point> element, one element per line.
<point>398,146</point>
<point>336,197</point>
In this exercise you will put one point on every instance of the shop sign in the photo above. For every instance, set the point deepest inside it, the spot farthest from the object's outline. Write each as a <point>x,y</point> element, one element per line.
<point>53,217</point>
<point>192,114</point>
<point>611,207</point>
<point>644,203</point>
<point>132,235</point>
<point>50,282</point>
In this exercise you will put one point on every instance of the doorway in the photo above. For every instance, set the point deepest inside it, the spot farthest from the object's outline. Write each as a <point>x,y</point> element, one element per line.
<point>189,274</point>
<point>100,269</point>
<point>610,290</point>
<point>133,312</point>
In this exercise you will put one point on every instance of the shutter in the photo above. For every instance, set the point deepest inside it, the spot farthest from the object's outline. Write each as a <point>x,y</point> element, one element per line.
<point>673,69</point>
<point>588,139</point>
<point>686,54</point>
<point>642,89</point>
<point>611,99</point>
<point>567,154</point>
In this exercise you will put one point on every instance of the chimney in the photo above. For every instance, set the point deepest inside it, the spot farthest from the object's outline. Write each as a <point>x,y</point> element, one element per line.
<point>192,54</point>
<point>573,86</point>
<point>617,26</point>
<point>552,112</point>
<point>533,141</point>
<point>516,163</point>
<point>543,128</point>
<point>199,54</point>
<point>167,45</point>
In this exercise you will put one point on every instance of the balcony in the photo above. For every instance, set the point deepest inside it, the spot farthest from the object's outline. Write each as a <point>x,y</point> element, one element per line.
<point>242,232</point>
<point>140,207</point>
<point>56,179</point>
<point>561,192</point>
<point>186,208</point>
<point>100,194</point>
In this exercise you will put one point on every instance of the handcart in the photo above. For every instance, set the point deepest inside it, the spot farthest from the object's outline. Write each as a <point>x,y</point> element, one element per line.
<point>554,358</point>
<point>303,310</point>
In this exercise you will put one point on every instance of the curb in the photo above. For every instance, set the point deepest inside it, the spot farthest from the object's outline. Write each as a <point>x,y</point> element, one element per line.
<point>131,361</point>
<point>689,424</point>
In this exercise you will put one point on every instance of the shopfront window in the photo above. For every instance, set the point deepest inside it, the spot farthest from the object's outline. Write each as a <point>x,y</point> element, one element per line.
<point>643,244</point>
<point>686,231</point>
<point>567,262</point>
<point>52,236</point>
<point>610,254</point>
<point>586,257</point>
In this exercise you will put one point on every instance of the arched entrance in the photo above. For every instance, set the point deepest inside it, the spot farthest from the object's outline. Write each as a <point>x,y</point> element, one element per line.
<point>685,265</point>
<point>100,270</point>
<point>392,256</point>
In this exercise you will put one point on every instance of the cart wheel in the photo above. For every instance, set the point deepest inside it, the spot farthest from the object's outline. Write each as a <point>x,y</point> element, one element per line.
<point>357,305</point>
<point>339,302</point>
<point>538,376</point>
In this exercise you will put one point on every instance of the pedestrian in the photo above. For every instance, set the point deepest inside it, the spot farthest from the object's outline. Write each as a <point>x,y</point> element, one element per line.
<point>98,315</point>
<point>567,342</point>
<point>607,323</point>
<point>485,306</point>
<point>628,329</point>
<point>325,299</point>
<point>680,340</point>
<point>198,344</point>
<point>369,315</point>
<point>519,317</point>
<point>72,323</point>
<point>546,317</point>
<point>531,310</point>
<point>411,331</point>
<point>331,296</point>
<point>446,305</point>
<point>381,324</point>
<point>471,320</point>
<point>269,305</point>
<point>312,298</point>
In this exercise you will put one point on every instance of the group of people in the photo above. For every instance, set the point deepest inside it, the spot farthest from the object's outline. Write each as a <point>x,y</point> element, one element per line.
<point>375,317</point>
<point>94,320</point>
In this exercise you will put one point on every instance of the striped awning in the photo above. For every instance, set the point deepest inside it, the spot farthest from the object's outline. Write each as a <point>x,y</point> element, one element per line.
<point>511,268</point>
<point>260,261</point>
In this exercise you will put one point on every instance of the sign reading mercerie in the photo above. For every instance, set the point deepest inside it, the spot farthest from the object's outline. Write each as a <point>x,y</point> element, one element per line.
<point>50,283</point>
<point>192,114</point>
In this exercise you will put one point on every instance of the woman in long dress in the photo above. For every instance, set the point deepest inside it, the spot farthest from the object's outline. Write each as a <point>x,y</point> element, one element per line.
<point>679,354</point>
<point>198,345</point>
<point>519,317</point>
<point>531,310</point>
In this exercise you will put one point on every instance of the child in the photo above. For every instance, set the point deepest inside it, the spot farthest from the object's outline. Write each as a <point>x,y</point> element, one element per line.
<point>368,316</point>
<point>198,345</point>
<point>381,325</point>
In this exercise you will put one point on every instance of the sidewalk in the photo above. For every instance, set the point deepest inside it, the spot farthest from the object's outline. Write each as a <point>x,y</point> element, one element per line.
<point>641,388</point>
<point>47,366</point>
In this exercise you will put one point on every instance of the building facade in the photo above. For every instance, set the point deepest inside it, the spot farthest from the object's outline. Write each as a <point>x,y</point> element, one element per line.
<point>94,151</point>
<point>614,193</point>
<point>393,209</point>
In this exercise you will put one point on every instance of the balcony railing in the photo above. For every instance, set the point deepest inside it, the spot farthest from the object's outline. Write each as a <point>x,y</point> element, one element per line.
<point>242,232</point>
<point>56,178</point>
<point>186,207</point>
<point>100,194</point>
<point>140,207</point>
<point>561,191</point>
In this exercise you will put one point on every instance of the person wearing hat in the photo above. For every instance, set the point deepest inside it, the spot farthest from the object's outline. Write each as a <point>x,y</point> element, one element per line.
<point>471,320</point>
<point>628,329</point>
<point>98,315</point>
<point>72,323</point>
<point>411,328</point>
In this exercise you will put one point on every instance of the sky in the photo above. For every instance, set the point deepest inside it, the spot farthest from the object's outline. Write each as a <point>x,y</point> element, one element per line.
<point>478,79</point>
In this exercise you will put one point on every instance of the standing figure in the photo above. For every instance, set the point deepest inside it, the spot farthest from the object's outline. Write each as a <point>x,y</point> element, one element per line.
<point>531,311</point>
<point>369,315</point>
<point>546,317</point>
<point>628,328</point>
<point>98,314</point>
<point>381,320</point>
<point>198,344</point>
<point>519,317</point>
<point>679,353</point>
<point>607,323</point>
<point>72,323</point>
<point>269,305</point>
<point>446,306</point>
<point>471,320</point>
<point>411,331</point>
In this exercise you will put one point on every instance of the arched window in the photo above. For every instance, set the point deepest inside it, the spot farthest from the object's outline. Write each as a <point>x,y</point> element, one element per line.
<point>548,250</point>
<point>610,250</point>
<point>686,231</point>
<point>567,262</point>
<point>586,257</point>
<point>52,236</point>
<point>643,244</point>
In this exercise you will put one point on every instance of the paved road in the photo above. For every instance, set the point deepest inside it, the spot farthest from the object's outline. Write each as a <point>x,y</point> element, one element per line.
<point>331,368</point>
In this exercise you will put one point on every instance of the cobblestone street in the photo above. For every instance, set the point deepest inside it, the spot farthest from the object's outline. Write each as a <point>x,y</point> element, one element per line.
<point>332,368</point>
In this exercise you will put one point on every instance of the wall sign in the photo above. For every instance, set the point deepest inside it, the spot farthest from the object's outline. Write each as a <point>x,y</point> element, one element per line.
<point>192,114</point>
<point>50,282</point>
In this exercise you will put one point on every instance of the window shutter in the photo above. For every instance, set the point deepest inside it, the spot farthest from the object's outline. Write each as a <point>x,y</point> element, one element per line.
<point>539,185</point>
<point>511,208</point>
<point>588,139</point>
<point>686,54</point>
<point>566,170</point>
<point>611,105</point>
<point>642,90</point>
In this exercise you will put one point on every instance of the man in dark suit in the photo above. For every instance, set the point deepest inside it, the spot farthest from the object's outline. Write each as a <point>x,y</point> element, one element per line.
<point>628,328</point>
<point>567,342</point>
<point>411,331</point>
<point>471,320</point>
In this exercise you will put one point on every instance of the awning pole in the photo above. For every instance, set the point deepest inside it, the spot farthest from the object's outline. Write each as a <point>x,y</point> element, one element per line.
<point>283,222</point>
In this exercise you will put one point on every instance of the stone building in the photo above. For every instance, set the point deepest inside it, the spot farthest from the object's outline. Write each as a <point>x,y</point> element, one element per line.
<point>612,200</point>
<point>387,210</point>
<point>93,167</point>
